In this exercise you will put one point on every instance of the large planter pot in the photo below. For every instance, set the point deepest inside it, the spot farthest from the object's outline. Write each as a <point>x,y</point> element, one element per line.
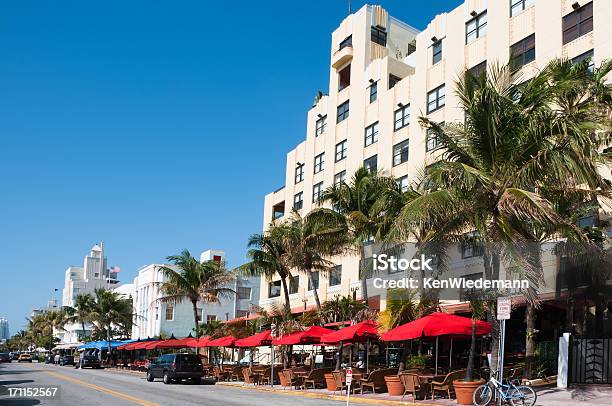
<point>330,382</point>
<point>464,390</point>
<point>282,379</point>
<point>394,385</point>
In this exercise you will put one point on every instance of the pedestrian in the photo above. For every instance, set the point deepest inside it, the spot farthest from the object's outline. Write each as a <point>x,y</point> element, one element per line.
<point>56,358</point>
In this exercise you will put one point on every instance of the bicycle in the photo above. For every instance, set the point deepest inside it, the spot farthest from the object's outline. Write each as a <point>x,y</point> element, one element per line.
<point>508,392</point>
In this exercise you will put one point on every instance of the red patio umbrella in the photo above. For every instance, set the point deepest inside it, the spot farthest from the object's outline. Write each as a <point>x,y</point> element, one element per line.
<point>227,341</point>
<point>197,342</point>
<point>355,333</point>
<point>435,325</point>
<point>151,345</point>
<point>256,340</point>
<point>312,335</point>
<point>176,343</point>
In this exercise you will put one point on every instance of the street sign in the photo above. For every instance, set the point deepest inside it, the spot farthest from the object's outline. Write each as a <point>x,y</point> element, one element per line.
<point>349,376</point>
<point>504,307</point>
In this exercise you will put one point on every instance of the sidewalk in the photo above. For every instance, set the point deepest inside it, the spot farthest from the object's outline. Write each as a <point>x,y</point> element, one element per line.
<point>587,395</point>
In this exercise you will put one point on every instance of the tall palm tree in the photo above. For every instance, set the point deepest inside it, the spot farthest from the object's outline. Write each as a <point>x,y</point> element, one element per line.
<point>110,309</point>
<point>356,201</point>
<point>310,240</point>
<point>514,142</point>
<point>80,313</point>
<point>194,281</point>
<point>268,257</point>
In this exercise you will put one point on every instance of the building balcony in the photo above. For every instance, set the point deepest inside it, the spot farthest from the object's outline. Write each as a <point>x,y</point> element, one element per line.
<point>342,56</point>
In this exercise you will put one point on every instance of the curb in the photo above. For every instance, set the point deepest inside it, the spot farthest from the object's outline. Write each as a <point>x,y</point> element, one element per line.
<point>328,397</point>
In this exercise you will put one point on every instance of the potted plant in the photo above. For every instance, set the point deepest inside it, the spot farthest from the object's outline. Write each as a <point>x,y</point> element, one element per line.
<point>330,382</point>
<point>464,388</point>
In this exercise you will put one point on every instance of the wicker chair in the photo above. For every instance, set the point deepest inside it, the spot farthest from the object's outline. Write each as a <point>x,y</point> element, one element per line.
<point>376,379</point>
<point>250,377</point>
<point>447,384</point>
<point>236,374</point>
<point>411,383</point>
<point>220,374</point>
<point>316,377</point>
<point>340,380</point>
<point>292,380</point>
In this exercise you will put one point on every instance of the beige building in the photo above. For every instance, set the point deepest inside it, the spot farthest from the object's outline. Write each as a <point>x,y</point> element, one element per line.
<point>384,74</point>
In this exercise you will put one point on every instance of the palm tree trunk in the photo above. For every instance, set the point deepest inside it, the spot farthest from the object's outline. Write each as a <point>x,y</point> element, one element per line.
<point>194,304</point>
<point>286,291</point>
<point>314,289</point>
<point>109,336</point>
<point>470,366</point>
<point>83,326</point>
<point>362,274</point>
<point>491,267</point>
<point>529,340</point>
<point>339,360</point>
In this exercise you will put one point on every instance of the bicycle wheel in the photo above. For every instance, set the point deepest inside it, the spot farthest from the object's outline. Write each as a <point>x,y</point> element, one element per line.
<point>523,396</point>
<point>483,395</point>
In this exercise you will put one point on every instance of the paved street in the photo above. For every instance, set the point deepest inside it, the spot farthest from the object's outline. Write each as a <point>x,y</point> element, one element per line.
<point>98,387</point>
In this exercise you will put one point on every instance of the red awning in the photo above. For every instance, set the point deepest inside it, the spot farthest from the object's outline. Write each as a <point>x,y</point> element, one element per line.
<point>437,324</point>
<point>257,340</point>
<point>312,335</point>
<point>151,345</point>
<point>176,343</point>
<point>197,342</point>
<point>227,341</point>
<point>355,333</point>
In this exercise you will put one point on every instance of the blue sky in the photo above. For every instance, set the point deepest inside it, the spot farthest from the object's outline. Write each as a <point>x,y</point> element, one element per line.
<point>151,126</point>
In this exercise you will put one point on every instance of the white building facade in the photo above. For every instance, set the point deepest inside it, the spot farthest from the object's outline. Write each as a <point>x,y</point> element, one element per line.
<point>153,318</point>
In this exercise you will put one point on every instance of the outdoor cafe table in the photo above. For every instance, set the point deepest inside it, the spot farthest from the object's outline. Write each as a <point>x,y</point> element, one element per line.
<point>427,379</point>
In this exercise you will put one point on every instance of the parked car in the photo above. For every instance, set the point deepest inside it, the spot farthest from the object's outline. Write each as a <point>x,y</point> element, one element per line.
<point>90,361</point>
<point>66,360</point>
<point>4,357</point>
<point>14,356</point>
<point>176,367</point>
<point>25,358</point>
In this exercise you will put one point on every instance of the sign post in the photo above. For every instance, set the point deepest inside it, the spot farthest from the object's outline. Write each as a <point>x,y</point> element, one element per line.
<point>273,334</point>
<point>504,308</point>
<point>349,380</point>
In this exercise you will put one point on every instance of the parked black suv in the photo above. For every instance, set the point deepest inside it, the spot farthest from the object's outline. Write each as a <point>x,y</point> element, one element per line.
<point>90,361</point>
<point>5,357</point>
<point>175,367</point>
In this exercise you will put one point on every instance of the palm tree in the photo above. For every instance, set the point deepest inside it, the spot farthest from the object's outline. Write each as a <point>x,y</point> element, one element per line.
<point>310,240</point>
<point>80,313</point>
<point>356,201</point>
<point>514,143</point>
<point>194,281</point>
<point>267,257</point>
<point>110,309</point>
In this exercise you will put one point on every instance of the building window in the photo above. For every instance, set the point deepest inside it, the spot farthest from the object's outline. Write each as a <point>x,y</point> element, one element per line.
<point>317,192</point>
<point>517,6</point>
<point>436,50</point>
<point>335,276</point>
<point>476,27</point>
<point>587,55</point>
<point>321,126</point>
<point>299,173</point>
<point>577,23</point>
<point>169,313</point>
<point>210,318</point>
<point>379,35</point>
<point>274,289</point>
<point>371,134</point>
<point>400,153</point>
<point>339,178</point>
<point>298,200</point>
<point>402,183</point>
<point>344,78</point>
<point>244,293</point>
<point>371,163</point>
<point>346,42</point>
<point>436,99</point>
<point>471,248</point>
<point>199,313</point>
<point>319,161</point>
<point>343,112</point>
<point>315,279</point>
<point>393,80</point>
<point>477,71</point>
<point>340,151</point>
<point>432,141</point>
<point>523,51</point>
<point>466,294</point>
<point>401,117</point>
<point>373,92</point>
<point>242,313</point>
<point>294,284</point>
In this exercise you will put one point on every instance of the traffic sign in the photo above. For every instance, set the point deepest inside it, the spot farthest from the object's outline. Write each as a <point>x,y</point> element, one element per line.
<point>504,308</point>
<point>349,376</point>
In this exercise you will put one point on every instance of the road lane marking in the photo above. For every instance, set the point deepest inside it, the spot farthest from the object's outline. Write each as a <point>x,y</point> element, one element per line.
<point>111,392</point>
